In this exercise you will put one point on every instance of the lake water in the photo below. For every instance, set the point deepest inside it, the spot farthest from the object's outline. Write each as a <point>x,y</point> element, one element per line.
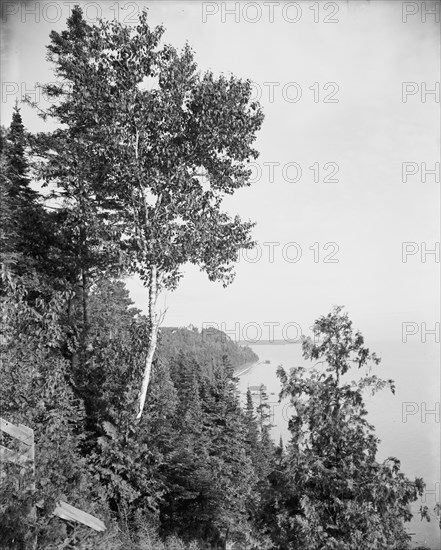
<point>404,422</point>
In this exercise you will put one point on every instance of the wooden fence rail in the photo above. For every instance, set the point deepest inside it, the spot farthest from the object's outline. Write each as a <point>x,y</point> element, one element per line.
<point>25,455</point>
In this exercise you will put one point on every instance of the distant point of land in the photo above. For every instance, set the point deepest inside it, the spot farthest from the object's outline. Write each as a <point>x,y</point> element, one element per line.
<point>268,342</point>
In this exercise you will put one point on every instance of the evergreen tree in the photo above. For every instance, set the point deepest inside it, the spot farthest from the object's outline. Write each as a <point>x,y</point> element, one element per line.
<point>251,425</point>
<point>30,233</point>
<point>21,213</point>
<point>17,166</point>
<point>8,225</point>
<point>114,353</point>
<point>262,452</point>
<point>162,428</point>
<point>347,499</point>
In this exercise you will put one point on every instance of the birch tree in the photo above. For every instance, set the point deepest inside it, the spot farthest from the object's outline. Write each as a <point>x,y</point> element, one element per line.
<point>168,143</point>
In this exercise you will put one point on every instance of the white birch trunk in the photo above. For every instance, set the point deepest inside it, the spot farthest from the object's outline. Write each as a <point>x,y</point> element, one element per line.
<point>155,320</point>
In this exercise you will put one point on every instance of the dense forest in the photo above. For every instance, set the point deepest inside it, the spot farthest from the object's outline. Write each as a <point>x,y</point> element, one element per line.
<point>194,465</point>
<point>205,347</point>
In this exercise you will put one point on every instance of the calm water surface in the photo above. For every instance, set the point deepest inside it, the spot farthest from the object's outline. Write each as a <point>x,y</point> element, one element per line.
<point>403,422</point>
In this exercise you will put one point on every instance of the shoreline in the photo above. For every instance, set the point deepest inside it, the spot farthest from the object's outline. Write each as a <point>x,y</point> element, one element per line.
<point>247,368</point>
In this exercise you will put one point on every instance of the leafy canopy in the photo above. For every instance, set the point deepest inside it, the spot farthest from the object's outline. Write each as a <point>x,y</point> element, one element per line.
<point>168,143</point>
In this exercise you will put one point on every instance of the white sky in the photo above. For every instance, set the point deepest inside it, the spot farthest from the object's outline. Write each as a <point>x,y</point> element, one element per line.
<point>368,134</point>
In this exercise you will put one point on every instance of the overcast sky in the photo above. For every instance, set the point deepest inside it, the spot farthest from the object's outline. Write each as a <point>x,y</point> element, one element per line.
<point>333,94</point>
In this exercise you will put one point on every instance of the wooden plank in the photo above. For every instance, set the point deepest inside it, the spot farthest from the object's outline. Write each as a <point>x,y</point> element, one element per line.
<point>66,511</point>
<point>27,430</point>
<point>26,454</point>
<point>7,455</point>
<point>27,448</point>
<point>18,432</point>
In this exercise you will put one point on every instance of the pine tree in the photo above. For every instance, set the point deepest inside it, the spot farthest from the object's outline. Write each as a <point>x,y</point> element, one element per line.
<point>162,429</point>
<point>8,225</point>
<point>116,330</point>
<point>232,469</point>
<point>20,210</point>
<point>17,166</point>
<point>252,430</point>
<point>30,231</point>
